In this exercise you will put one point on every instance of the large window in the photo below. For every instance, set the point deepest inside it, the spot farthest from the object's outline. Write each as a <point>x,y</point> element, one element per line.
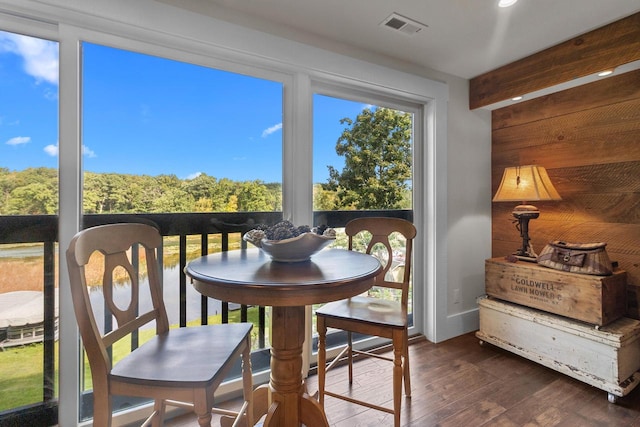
<point>362,160</point>
<point>167,136</point>
<point>28,188</point>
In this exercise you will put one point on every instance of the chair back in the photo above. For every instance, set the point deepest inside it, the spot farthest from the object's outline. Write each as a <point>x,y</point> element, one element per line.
<point>387,245</point>
<point>117,243</point>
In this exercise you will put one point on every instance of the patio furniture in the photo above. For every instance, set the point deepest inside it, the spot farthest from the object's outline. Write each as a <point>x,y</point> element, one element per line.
<point>182,366</point>
<point>370,315</point>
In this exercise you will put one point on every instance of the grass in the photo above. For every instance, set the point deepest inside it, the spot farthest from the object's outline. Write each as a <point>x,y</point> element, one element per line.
<point>21,372</point>
<point>21,380</point>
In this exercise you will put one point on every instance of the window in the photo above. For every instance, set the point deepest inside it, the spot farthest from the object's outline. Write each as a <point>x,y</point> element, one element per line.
<point>171,137</point>
<point>28,195</point>
<point>362,159</point>
<point>167,136</point>
<point>362,155</point>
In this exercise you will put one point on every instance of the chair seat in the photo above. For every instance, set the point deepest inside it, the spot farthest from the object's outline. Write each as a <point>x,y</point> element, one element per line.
<point>374,311</point>
<point>193,355</point>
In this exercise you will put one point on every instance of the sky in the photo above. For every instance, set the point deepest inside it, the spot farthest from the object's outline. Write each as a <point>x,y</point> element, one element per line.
<point>148,115</point>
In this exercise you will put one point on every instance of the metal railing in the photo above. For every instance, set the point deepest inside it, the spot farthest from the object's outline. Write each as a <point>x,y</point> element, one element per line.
<point>44,229</point>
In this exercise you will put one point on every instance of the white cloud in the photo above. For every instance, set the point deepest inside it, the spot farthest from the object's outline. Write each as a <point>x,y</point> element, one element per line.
<point>271,130</point>
<point>88,152</point>
<point>194,175</point>
<point>19,140</point>
<point>40,56</point>
<point>51,150</point>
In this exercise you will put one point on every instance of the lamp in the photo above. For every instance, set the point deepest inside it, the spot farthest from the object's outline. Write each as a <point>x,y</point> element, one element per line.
<point>525,184</point>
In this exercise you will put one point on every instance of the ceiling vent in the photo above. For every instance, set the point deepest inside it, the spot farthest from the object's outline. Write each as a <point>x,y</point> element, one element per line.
<point>402,24</point>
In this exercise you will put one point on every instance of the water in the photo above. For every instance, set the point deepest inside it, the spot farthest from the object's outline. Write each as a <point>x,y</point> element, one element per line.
<point>171,290</point>
<point>171,295</point>
<point>21,251</point>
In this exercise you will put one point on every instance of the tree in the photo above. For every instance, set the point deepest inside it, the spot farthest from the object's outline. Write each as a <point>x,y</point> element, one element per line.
<point>323,200</point>
<point>377,151</point>
<point>34,191</point>
<point>33,199</point>
<point>253,196</point>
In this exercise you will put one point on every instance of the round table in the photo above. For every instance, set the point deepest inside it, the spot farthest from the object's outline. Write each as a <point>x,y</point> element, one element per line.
<point>250,277</point>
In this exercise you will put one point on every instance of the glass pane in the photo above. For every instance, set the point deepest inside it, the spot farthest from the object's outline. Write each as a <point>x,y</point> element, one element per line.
<point>28,187</point>
<point>362,160</point>
<point>163,136</point>
<point>361,155</point>
<point>166,136</point>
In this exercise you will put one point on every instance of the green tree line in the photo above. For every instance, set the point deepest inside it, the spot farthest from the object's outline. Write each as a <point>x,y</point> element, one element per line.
<point>376,146</point>
<point>34,191</point>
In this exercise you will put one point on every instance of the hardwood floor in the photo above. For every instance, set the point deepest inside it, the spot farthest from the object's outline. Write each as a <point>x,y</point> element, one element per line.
<point>460,383</point>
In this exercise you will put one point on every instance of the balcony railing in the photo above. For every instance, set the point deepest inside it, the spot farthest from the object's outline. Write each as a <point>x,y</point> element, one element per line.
<point>44,229</point>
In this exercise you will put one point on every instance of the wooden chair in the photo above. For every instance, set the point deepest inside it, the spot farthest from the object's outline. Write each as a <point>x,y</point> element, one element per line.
<point>373,316</point>
<point>181,367</point>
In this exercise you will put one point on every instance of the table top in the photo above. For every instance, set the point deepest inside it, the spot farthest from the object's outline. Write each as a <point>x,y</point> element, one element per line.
<point>249,276</point>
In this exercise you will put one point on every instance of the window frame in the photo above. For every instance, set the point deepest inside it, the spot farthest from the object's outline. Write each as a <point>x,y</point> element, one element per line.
<point>376,97</point>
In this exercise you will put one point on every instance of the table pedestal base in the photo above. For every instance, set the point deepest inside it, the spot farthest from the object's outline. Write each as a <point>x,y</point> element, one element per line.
<point>291,406</point>
<point>285,401</point>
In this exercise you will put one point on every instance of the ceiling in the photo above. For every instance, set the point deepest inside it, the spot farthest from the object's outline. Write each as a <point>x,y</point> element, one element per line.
<point>464,38</point>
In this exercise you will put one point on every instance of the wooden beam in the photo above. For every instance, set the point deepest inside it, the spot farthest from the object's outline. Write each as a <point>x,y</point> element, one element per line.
<point>601,49</point>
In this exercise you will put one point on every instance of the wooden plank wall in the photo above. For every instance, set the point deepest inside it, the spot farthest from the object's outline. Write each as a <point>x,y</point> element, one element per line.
<point>598,50</point>
<point>588,139</point>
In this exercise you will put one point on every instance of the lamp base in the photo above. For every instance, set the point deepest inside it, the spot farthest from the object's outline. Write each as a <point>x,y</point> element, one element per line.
<point>527,258</point>
<point>524,213</point>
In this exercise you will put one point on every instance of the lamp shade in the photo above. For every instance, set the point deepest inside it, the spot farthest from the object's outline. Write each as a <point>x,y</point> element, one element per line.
<point>525,184</point>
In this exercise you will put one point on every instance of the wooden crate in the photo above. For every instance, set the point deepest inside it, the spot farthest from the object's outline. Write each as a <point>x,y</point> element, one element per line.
<point>594,299</point>
<point>633,301</point>
<point>607,358</point>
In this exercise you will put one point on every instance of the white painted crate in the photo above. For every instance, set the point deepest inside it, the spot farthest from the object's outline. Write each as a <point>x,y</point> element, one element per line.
<point>607,358</point>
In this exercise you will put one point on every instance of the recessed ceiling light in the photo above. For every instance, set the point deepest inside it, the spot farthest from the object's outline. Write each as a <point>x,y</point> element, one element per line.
<point>506,3</point>
<point>516,98</point>
<point>605,73</point>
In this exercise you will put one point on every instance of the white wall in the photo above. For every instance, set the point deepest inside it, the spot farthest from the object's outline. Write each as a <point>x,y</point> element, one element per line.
<point>468,187</point>
<point>468,207</point>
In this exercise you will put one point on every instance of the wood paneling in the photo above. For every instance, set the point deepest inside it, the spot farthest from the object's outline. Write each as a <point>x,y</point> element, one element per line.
<point>626,88</point>
<point>607,47</point>
<point>588,139</point>
<point>576,137</point>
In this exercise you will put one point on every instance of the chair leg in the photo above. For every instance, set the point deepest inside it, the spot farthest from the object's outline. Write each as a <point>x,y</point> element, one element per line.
<point>350,356</point>
<point>398,350</point>
<point>407,375</point>
<point>247,381</point>
<point>102,411</point>
<point>202,404</point>
<point>159,407</point>
<point>322,358</point>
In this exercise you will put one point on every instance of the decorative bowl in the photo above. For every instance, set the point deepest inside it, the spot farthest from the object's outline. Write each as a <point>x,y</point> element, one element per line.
<point>294,249</point>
